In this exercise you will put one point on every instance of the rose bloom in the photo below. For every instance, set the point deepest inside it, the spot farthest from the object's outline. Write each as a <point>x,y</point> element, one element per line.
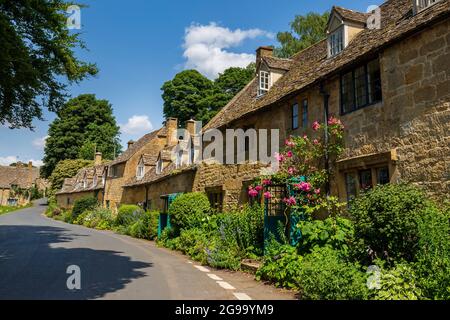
<point>289,143</point>
<point>279,157</point>
<point>267,195</point>
<point>316,126</point>
<point>289,154</point>
<point>290,201</point>
<point>291,171</point>
<point>316,142</point>
<point>267,182</point>
<point>258,188</point>
<point>317,191</point>
<point>253,193</point>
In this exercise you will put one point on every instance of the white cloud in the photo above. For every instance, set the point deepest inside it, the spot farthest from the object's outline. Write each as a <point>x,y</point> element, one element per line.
<point>6,161</point>
<point>205,48</point>
<point>39,143</point>
<point>137,125</point>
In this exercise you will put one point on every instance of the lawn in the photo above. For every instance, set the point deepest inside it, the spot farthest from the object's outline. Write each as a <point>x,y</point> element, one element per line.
<point>8,209</point>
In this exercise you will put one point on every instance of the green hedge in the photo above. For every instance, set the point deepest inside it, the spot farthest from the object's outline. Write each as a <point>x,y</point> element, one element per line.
<point>82,205</point>
<point>189,211</point>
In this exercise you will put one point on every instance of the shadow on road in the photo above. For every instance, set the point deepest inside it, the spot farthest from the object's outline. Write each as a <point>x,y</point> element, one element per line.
<point>34,260</point>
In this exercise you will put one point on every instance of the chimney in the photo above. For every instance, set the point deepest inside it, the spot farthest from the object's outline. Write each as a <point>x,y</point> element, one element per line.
<point>263,52</point>
<point>98,158</point>
<point>30,173</point>
<point>172,127</point>
<point>130,144</point>
<point>190,127</point>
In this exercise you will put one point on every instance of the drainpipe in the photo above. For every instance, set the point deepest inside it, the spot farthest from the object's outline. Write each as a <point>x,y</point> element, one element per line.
<point>146,198</point>
<point>104,186</point>
<point>326,99</point>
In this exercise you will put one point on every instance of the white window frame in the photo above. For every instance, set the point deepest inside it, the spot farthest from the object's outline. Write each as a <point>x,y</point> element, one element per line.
<point>159,166</point>
<point>336,42</point>
<point>140,171</point>
<point>265,82</point>
<point>104,178</point>
<point>179,160</point>
<point>95,180</point>
<point>421,5</point>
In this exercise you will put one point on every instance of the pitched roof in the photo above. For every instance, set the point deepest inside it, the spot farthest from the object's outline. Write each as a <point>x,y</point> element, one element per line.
<point>278,63</point>
<point>313,65</point>
<point>75,184</point>
<point>19,176</point>
<point>350,15</point>
<point>124,157</point>
<point>149,159</point>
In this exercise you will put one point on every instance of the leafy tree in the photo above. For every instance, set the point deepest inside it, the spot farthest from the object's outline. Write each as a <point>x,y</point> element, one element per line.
<point>36,58</point>
<point>66,169</point>
<point>84,125</point>
<point>305,31</point>
<point>190,95</point>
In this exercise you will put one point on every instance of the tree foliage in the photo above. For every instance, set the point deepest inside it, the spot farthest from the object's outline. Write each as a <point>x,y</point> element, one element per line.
<point>190,95</point>
<point>66,169</point>
<point>37,59</point>
<point>84,125</point>
<point>305,31</point>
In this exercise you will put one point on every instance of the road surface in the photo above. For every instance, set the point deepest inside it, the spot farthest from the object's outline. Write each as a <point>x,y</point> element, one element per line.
<point>35,253</point>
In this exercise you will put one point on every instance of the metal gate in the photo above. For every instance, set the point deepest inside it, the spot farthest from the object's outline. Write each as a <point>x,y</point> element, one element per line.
<point>164,217</point>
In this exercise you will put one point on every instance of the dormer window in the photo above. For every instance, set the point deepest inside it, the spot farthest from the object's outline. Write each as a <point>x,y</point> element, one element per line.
<point>336,42</point>
<point>85,183</point>
<point>94,183</point>
<point>140,171</point>
<point>424,4</point>
<point>264,82</point>
<point>104,178</point>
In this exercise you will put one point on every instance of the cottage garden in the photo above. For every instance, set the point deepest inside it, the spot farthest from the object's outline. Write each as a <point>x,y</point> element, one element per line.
<point>390,242</point>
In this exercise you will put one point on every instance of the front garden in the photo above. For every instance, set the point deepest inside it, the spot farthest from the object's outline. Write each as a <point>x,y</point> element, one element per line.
<point>391,242</point>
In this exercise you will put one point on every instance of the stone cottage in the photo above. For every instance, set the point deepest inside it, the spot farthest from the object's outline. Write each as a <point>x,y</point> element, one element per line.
<point>14,181</point>
<point>385,74</point>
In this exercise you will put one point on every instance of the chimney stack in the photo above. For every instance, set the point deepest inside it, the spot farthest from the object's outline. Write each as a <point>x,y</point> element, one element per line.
<point>263,52</point>
<point>172,127</point>
<point>130,144</point>
<point>191,127</point>
<point>98,158</point>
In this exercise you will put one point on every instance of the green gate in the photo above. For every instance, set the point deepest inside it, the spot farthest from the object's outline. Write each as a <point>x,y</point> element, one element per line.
<point>164,217</point>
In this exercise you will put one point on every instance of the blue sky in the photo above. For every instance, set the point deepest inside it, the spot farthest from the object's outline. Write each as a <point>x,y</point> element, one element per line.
<point>140,44</point>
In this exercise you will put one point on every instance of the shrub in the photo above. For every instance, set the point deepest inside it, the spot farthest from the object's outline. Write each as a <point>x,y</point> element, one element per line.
<point>146,227</point>
<point>433,257</point>
<point>189,211</point>
<point>194,243</point>
<point>324,275</point>
<point>281,265</point>
<point>399,283</point>
<point>128,215</point>
<point>82,205</point>
<point>386,221</point>
<point>334,232</point>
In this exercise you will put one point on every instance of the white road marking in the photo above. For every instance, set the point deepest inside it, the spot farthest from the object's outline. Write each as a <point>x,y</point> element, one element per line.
<point>202,269</point>
<point>214,277</point>
<point>242,296</point>
<point>226,285</point>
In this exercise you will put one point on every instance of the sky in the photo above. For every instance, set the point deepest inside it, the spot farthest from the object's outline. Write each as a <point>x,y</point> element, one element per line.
<point>140,44</point>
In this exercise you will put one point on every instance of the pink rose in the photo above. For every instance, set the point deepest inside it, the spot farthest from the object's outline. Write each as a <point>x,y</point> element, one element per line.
<point>316,126</point>
<point>253,193</point>
<point>292,171</point>
<point>317,191</point>
<point>290,201</point>
<point>316,142</point>
<point>279,157</point>
<point>267,182</point>
<point>267,195</point>
<point>289,143</point>
<point>258,188</point>
<point>289,154</point>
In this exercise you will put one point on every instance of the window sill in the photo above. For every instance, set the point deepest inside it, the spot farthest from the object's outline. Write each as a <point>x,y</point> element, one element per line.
<point>374,104</point>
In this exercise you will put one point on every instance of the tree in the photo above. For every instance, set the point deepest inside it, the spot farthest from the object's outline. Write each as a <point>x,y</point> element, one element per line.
<point>66,169</point>
<point>190,95</point>
<point>305,31</point>
<point>84,125</point>
<point>36,56</point>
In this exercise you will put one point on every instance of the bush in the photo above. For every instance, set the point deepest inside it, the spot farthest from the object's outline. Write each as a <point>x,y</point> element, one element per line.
<point>324,275</point>
<point>128,215</point>
<point>146,227</point>
<point>399,283</point>
<point>334,232</point>
<point>433,257</point>
<point>281,265</point>
<point>189,211</point>
<point>82,205</point>
<point>386,221</point>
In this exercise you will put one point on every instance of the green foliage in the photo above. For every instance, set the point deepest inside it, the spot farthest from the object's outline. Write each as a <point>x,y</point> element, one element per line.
<point>82,205</point>
<point>98,218</point>
<point>189,210</point>
<point>84,125</point>
<point>399,283</point>
<point>146,227</point>
<point>433,257</point>
<point>334,232</point>
<point>281,265</point>
<point>9,209</point>
<point>386,221</point>
<point>37,60</point>
<point>65,169</point>
<point>128,215</point>
<point>190,95</point>
<point>305,31</point>
<point>324,275</point>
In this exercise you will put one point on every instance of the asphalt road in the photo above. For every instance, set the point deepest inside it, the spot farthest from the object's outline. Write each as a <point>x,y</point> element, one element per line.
<point>35,253</point>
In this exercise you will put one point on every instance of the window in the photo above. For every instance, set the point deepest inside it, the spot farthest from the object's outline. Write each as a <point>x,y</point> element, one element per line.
<point>192,153</point>
<point>295,114</point>
<point>179,160</point>
<point>362,180</point>
<point>264,82</point>
<point>305,114</point>
<point>365,179</point>
<point>383,175</point>
<point>113,172</point>
<point>361,87</point>
<point>104,179</point>
<point>423,4</point>
<point>336,42</point>
<point>215,197</point>
<point>159,166</point>
<point>94,182</point>
<point>85,184</point>
<point>140,171</point>
<point>351,186</point>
